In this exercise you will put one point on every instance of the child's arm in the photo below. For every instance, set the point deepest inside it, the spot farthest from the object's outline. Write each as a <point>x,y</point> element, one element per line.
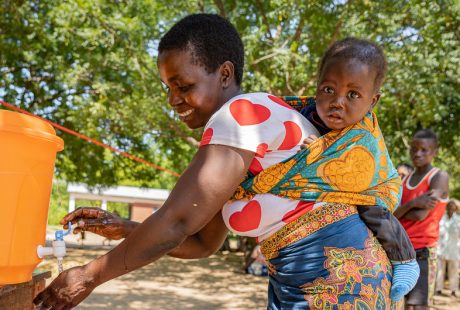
<point>307,141</point>
<point>417,209</point>
<point>397,245</point>
<point>389,231</point>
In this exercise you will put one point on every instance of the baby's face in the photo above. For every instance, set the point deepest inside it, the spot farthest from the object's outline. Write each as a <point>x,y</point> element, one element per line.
<point>345,93</point>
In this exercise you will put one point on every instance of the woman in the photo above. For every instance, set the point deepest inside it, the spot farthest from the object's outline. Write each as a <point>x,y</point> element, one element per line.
<point>340,263</point>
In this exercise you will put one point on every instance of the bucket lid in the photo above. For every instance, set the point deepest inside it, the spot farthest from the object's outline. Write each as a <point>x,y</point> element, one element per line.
<point>29,126</point>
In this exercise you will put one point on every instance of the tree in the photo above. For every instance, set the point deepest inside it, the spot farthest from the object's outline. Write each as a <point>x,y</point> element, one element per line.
<point>91,66</point>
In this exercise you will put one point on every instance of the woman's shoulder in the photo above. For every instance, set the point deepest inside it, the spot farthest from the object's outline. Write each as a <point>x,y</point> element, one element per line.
<point>254,109</point>
<point>256,120</point>
<point>260,103</point>
<point>262,97</point>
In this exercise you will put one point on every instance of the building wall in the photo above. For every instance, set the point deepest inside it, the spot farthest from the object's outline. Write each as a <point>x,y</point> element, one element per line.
<point>140,211</point>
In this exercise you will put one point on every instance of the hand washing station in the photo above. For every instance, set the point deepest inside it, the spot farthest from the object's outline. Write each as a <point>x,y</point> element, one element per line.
<point>28,148</point>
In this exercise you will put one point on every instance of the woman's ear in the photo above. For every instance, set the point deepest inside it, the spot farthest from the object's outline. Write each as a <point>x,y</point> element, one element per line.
<point>227,74</point>
<point>375,100</point>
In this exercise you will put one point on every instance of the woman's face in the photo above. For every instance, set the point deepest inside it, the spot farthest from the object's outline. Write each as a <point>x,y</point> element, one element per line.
<point>193,93</point>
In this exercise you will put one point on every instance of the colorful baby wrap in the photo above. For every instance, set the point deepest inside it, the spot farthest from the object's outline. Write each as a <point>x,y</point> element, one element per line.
<point>325,268</point>
<point>350,166</point>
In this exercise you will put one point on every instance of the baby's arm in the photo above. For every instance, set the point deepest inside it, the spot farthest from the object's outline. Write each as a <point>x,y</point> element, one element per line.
<point>394,240</point>
<point>389,231</point>
<point>308,140</point>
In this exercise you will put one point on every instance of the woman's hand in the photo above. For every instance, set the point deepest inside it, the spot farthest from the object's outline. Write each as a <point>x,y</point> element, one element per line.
<point>98,221</point>
<point>66,291</point>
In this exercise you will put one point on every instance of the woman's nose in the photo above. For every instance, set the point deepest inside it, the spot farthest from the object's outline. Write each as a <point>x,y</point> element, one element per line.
<point>174,99</point>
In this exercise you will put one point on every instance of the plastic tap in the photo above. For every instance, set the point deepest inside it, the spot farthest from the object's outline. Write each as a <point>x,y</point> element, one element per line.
<point>57,249</point>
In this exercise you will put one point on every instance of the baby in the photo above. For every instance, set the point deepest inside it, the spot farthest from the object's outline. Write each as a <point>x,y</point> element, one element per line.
<point>350,75</point>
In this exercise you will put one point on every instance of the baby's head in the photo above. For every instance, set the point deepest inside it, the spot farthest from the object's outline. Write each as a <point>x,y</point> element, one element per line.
<point>350,75</point>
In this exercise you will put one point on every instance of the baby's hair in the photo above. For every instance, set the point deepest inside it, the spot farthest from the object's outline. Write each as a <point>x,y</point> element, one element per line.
<point>365,51</point>
<point>212,40</point>
<point>427,134</point>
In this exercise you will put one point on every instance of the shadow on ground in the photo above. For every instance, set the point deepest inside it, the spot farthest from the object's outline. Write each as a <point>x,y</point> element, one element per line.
<point>170,284</point>
<point>211,283</point>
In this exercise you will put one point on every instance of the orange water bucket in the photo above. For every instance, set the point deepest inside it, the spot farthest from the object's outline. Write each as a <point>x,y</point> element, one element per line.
<point>28,148</point>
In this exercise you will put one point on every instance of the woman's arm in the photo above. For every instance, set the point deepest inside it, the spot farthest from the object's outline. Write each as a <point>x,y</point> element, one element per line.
<point>205,242</point>
<point>202,244</point>
<point>198,196</point>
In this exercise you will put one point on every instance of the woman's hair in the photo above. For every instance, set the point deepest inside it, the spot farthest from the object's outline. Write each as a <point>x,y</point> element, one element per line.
<point>211,39</point>
<point>427,134</point>
<point>364,51</point>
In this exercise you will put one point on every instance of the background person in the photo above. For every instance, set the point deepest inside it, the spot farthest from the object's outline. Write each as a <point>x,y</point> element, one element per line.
<point>449,248</point>
<point>404,170</point>
<point>257,265</point>
<point>423,202</point>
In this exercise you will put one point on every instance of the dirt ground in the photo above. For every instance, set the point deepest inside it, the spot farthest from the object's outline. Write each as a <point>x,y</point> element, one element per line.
<point>212,283</point>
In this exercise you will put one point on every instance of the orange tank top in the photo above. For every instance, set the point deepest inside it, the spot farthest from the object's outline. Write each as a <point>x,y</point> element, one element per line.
<point>424,233</point>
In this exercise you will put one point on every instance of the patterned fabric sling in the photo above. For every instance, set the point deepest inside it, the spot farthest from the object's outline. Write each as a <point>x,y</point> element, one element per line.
<point>313,261</point>
<point>350,166</point>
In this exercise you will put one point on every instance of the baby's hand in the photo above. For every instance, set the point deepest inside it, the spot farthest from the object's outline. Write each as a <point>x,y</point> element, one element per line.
<point>307,141</point>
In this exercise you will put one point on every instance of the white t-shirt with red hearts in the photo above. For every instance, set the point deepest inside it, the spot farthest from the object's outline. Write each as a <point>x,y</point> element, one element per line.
<point>266,125</point>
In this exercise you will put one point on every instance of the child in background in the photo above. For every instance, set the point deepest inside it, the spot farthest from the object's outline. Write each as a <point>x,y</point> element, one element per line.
<point>448,248</point>
<point>350,75</point>
<point>423,202</point>
<point>257,264</point>
<point>404,170</point>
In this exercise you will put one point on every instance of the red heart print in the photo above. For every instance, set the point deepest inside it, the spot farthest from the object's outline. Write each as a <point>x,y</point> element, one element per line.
<point>302,208</point>
<point>255,168</point>
<point>248,218</point>
<point>207,136</point>
<point>292,137</point>
<point>280,102</point>
<point>247,113</point>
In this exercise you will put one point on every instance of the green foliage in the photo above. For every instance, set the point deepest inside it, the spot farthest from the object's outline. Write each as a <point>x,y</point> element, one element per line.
<point>90,66</point>
<point>119,208</point>
<point>59,203</point>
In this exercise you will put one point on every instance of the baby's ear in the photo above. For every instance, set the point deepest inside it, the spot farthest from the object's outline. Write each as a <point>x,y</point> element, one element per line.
<point>375,100</point>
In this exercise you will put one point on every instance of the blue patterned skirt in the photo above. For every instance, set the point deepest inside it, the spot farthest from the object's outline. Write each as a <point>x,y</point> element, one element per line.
<point>327,259</point>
